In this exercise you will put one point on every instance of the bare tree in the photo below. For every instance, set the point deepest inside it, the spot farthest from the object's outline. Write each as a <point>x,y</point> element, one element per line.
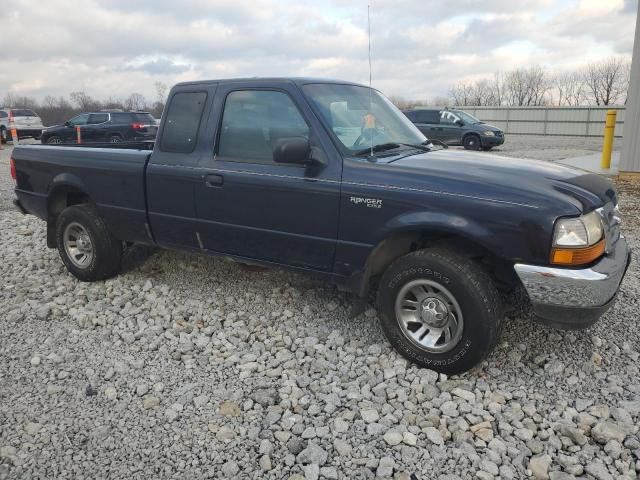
<point>461,93</point>
<point>136,102</point>
<point>568,89</point>
<point>526,86</point>
<point>607,80</point>
<point>83,101</point>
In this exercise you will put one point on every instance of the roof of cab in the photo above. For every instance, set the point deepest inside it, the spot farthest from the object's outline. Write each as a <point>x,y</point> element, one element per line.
<point>296,80</point>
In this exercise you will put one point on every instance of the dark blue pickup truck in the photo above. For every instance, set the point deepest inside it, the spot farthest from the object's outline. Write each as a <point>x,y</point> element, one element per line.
<point>330,178</point>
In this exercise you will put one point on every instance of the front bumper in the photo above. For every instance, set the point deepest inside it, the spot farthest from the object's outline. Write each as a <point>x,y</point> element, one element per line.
<point>575,298</point>
<point>494,141</point>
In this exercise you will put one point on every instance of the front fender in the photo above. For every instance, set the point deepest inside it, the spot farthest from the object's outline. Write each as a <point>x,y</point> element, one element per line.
<point>443,223</point>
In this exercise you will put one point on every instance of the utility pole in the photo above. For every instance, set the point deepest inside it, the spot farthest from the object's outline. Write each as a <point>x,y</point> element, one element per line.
<point>630,154</point>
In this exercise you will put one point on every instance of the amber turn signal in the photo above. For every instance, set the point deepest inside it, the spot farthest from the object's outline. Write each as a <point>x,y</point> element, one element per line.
<point>577,256</point>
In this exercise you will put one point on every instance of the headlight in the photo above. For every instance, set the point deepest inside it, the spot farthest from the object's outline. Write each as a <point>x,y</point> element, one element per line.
<point>488,133</point>
<point>577,241</point>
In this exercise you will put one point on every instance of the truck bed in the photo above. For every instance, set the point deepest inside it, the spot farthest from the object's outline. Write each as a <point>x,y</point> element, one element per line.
<point>114,176</point>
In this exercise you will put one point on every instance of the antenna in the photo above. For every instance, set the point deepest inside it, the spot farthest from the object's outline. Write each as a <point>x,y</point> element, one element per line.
<point>370,91</point>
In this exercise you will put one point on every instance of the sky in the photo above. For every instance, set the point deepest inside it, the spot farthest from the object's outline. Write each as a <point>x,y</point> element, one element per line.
<point>111,48</point>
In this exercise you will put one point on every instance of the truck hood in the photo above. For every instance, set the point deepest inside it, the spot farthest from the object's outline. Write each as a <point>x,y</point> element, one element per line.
<point>508,179</point>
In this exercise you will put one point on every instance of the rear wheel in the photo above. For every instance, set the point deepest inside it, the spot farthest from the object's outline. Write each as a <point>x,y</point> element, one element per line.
<point>439,310</point>
<point>115,139</point>
<point>471,142</point>
<point>54,140</point>
<point>85,245</point>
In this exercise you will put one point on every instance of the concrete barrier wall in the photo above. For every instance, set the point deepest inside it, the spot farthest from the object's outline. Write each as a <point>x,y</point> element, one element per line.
<point>574,121</point>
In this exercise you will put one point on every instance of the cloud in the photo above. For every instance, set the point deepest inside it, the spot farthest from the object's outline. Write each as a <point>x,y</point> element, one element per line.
<point>113,47</point>
<point>159,66</point>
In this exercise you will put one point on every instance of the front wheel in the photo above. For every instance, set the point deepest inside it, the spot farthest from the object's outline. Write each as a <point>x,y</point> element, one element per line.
<point>439,310</point>
<point>471,142</point>
<point>85,245</point>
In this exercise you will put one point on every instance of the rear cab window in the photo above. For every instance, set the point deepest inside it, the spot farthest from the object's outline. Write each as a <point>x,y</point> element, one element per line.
<point>23,113</point>
<point>121,118</point>
<point>181,124</point>
<point>143,118</point>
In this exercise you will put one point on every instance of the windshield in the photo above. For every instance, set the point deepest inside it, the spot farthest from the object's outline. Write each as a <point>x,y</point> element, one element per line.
<point>466,118</point>
<point>361,117</point>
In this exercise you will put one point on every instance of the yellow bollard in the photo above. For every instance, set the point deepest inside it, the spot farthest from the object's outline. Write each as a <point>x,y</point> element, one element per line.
<point>609,129</point>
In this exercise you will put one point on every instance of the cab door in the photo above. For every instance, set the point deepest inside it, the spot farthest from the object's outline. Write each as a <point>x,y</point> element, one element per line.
<point>451,127</point>
<point>94,130</point>
<point>68,133</point>
<point>172,177</point>
<point>251,207</point>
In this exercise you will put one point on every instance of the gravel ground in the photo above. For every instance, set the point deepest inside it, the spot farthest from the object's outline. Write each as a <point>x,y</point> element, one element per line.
<point>541,147</point>
<point>192,367</point>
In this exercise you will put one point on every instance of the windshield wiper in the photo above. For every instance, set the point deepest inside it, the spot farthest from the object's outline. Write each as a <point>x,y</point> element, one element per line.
<point>390,146</point>
<point>381,147</point>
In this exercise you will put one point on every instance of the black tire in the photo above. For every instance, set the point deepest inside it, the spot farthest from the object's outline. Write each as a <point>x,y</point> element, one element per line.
<point>472,289</point>
<point>471,142</point>
<point>116,139</point>
<point>107,251</point>
<point>54,140</point>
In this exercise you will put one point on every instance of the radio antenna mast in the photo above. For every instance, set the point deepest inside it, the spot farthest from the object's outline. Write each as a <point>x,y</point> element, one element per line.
<point>370,91</point>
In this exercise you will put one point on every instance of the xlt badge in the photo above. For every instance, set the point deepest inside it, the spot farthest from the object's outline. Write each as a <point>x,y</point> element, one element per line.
<point>367,202</point>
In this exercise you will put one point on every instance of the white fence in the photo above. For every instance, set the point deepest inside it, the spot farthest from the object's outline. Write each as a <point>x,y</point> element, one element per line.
<point>574,121</point>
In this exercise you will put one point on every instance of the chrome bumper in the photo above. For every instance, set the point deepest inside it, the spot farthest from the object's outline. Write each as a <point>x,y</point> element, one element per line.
<point>575,298</point>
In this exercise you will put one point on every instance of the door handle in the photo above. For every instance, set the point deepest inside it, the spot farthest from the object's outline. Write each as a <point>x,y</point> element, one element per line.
<point>213,180</point>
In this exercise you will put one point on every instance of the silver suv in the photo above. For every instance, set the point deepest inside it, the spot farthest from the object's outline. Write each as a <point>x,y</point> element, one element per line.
<point>25,121</point>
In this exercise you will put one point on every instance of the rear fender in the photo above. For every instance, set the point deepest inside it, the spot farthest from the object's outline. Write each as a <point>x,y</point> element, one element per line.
<point>66,189</point>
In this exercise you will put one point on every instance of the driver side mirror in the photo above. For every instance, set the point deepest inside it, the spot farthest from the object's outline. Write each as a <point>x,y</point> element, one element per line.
<point>67,123</point>
<point>460,123</point>
<point>293,150</point>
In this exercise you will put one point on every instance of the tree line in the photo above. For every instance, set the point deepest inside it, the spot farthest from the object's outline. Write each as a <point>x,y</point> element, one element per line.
<point>57,110</point>
<point>599,83</point>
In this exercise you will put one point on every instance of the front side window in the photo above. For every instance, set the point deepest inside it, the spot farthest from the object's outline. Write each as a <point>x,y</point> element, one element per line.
<point>252,123</point>
<point>361,117</point>
<point>449,118</point>
<point>3,114</point>
<point>97,118</point>
<point>182,122</point>
<point>466,117</point>
<point>79,119</point>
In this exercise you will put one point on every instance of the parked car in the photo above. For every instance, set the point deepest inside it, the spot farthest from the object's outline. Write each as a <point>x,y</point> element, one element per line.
<point>330,178</point>
<point>106,126</point>
<point>26,122</point>
<point>455,127</point>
